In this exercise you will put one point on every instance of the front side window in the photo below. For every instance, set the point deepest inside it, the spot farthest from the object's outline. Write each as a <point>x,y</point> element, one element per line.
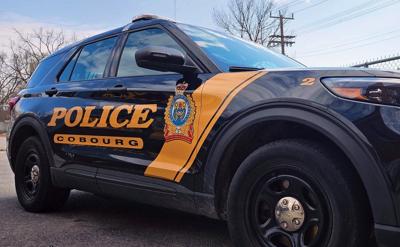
<point>227,51</point>
<point>92,61</point>
<point>140,39</point>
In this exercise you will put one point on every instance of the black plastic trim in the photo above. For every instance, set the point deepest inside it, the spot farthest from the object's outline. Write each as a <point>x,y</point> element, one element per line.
<point>78,177</point>
<point>387,236</point>
<point>32,121</point>
<point>146,190</point>
<point>200,56</point>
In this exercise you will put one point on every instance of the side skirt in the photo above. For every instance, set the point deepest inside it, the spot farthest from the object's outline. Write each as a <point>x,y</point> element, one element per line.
<point>133,187</point>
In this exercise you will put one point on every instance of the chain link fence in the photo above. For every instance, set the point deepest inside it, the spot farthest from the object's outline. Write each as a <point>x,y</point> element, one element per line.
<point>388,63</point>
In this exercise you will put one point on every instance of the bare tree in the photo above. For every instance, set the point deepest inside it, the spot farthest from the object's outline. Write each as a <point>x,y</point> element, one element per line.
<point>18,63</point>
<point>248,19</point>
<point>8,82</point>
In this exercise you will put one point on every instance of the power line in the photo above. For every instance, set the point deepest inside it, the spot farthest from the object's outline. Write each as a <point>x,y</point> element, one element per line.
<point>350,42</point>
<point>311,6</point>
<point>289,4</point>
<point>350,48</point>
<point>338,15</point>
<point>282,39</point>
<point>355,15</point>
<point>349,14</point>
<point>346,16</point>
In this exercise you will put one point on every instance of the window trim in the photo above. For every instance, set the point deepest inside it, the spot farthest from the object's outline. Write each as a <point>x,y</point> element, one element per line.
<point>66,61</point>
<point>79,48</point>
<point>138,76</point>
<point>198,54</point>
<point>78,53</point>
<point>124,39</point>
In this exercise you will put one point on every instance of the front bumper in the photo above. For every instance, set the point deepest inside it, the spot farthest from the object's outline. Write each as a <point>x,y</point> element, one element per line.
<point>387,236</point>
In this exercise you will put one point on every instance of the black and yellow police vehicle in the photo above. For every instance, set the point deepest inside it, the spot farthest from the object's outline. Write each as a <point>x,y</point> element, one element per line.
<point>192,119</point>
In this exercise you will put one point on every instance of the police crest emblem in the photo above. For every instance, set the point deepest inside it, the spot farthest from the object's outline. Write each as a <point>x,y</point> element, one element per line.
<point>179,116</point>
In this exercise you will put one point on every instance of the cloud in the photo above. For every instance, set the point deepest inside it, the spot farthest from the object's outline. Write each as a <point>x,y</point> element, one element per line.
<point>10,21</point>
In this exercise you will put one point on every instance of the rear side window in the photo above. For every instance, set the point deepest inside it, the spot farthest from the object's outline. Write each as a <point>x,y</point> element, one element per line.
<point>66,74</point>
<point>136,40</point>
<point>42,70</point>
<point>90,62</point>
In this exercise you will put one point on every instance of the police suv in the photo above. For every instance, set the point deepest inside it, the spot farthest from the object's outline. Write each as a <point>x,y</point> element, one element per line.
<point>193,119</point>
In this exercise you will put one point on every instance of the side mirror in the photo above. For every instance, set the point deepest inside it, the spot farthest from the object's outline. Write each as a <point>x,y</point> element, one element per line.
<point>163,59</point>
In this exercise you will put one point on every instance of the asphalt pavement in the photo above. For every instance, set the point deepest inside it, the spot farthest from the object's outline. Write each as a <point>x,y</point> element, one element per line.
<point>90,220</point>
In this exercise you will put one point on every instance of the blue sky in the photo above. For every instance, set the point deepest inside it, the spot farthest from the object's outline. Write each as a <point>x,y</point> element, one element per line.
<point>319,41</point>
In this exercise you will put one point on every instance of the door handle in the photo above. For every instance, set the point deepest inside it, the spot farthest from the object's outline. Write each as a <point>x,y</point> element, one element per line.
<point>52,91</point>
<point>117,89</point>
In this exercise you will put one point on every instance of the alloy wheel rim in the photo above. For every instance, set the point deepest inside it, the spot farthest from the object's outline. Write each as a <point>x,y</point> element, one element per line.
<point>31,179</point>
<point>286,211</point>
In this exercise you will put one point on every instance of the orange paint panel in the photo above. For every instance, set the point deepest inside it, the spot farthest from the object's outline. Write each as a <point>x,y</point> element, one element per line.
<point>211,99</point>
<point>211,103</point>
<point>174,154</point>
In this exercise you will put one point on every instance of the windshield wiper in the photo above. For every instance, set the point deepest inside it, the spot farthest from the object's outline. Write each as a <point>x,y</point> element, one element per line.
<point>239,69</point>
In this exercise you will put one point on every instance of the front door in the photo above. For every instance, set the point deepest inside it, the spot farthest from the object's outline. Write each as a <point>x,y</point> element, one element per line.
<point>155,108</point>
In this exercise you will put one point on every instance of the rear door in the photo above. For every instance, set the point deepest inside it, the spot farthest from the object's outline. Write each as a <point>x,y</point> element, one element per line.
<point>75,120</point>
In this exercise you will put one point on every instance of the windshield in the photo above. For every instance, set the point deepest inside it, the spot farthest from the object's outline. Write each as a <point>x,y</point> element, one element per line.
<point>227,51</point>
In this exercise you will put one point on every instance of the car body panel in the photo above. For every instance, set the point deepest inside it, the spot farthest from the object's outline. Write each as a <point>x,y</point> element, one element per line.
<point>279,87</point>
<point>176,157</point>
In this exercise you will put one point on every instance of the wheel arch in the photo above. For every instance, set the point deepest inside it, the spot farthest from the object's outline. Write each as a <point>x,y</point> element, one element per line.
<point>338,130</point>
<point>25,126</point>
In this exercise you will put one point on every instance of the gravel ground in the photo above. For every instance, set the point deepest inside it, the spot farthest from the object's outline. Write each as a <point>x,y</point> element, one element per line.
<point>89,220</point>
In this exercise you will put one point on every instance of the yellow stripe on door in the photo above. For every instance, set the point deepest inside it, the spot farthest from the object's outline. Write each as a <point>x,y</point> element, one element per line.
<point>211,99</point>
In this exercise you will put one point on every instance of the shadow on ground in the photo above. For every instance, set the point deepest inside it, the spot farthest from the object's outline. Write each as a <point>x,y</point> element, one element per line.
<point>92,220</point>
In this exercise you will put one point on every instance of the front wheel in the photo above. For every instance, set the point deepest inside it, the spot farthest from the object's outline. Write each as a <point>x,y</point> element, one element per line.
<point>35,190</point>
<point>293,193</point>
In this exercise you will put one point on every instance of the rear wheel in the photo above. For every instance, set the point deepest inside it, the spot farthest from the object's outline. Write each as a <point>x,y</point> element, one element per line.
<point>33,184</point>
<point>294,193</point>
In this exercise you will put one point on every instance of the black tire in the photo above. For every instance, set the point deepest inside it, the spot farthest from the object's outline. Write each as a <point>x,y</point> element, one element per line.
<point>331,198</point>
<point>36,193</point>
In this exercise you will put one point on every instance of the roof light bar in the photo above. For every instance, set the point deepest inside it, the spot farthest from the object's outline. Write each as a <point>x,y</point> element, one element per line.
<point>150,17</point>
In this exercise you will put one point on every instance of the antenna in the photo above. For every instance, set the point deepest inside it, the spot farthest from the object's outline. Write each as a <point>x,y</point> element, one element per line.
<point>175,9</point>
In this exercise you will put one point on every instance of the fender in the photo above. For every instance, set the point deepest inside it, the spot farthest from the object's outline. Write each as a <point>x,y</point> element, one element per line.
<point>335,127</point>
<point>32,121</point>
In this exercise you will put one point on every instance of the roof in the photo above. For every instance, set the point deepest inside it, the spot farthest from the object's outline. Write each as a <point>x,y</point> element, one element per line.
<point>144,17</point>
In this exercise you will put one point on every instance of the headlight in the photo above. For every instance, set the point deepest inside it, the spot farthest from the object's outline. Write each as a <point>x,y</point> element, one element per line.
<point>369,89</point>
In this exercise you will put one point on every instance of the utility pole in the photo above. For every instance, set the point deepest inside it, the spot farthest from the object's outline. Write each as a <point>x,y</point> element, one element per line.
<point>282,40</point>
